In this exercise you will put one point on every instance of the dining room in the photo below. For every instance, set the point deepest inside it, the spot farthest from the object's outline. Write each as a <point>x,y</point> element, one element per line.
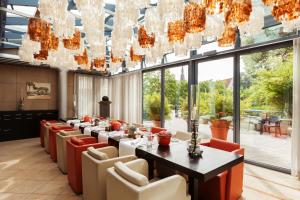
<point>149,100</point>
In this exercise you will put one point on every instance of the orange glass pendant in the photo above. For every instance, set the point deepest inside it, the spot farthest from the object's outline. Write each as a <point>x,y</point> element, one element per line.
<point>42,55</point>
<point>74,42</point>
<point>286,10</point>
<point>99,64</point>
<point>228,37</point>
<point>194,18</point>
<point>82,59</point>
<point>176,31</point>
<point>134,57</point>
<point>115,59</point>
<point>217,6</point>
<point>145,40</point>
<point>239,12</point>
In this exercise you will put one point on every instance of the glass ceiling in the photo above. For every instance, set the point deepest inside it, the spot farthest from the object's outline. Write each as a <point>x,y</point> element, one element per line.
<point>18,12</point>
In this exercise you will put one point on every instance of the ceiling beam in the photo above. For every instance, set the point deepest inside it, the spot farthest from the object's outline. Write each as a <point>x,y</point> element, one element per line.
<point>32,3</point>
<point>10,43</point>
<point>23,20</point>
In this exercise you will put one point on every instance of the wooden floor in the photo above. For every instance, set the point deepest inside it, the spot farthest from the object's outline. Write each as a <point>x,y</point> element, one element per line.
<point>28,173</point>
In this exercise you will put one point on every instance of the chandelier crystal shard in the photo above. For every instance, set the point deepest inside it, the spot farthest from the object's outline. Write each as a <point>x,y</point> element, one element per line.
<point>93,26</point>
<point>194,18</point>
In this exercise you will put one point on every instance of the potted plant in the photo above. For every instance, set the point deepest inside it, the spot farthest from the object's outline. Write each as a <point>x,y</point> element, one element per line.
<point>220,126</point>
<point>153,104</point>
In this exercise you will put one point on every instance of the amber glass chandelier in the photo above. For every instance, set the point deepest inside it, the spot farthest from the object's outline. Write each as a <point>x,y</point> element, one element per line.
<point>176,31</point>
<point>194,18</point>
<point>82,59</point>
<point>134,57</point>
<point>286,10</point>
<point>239,12</point>
<point>145,40</point>
<point>115,59</point>
<point>74,42</point>
<point>228,37</point>
<point>99,64</point>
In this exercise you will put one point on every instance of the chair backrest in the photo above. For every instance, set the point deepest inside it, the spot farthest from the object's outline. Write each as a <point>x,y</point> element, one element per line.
<point>274,119</point>
<point>155,130</point>
<point>223,145</point>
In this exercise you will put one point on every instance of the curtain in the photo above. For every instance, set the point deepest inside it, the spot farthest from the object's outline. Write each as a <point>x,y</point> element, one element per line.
<point>125,92</point>
<point>132,97</point>
<point>85,95</point>
<point>296,111</point>
<point>100,90</point>
<point>116,96</point>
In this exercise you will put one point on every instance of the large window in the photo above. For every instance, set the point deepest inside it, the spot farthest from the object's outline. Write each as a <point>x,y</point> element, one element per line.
<point>215,86</point>
<point>176,98</point>
<point>152,97</point>
<point>266,89</point>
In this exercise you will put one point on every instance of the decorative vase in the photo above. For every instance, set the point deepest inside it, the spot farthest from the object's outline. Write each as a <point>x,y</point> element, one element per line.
<point>219,128</point>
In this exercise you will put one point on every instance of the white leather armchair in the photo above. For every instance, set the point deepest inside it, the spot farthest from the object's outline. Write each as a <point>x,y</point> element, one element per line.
<point>45,131</point>
<point>131,183</point>
<point>94,170</point>
<point>61,147</point>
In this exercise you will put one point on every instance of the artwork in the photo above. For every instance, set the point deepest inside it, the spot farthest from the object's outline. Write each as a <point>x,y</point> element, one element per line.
<point>38,90</point>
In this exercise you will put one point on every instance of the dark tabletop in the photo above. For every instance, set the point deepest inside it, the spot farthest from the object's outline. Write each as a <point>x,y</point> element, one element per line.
<point>175,156</point>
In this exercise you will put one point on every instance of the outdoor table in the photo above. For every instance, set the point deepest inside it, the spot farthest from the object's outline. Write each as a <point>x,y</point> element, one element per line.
<point>175,156</point>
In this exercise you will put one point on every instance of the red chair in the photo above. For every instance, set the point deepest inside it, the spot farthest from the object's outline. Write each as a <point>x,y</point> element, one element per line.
<point>42,123</point>
<point>115,125</point>
<point>227,185</point>
<point>52,139</point>
<point>155,130</point>
<point>75,146</point>
<point>87,119</point>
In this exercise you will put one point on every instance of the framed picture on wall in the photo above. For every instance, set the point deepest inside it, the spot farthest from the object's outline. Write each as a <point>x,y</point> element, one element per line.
<point>36,90</point>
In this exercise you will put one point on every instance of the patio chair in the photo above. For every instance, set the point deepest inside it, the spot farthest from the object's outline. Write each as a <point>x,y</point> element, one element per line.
<point>272,122</point>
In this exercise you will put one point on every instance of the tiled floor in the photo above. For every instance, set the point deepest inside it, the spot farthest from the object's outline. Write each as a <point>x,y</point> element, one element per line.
<point>28,173</point>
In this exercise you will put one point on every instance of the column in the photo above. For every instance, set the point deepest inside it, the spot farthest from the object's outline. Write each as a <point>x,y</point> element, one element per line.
<point>296,111</point>
<point>63,91</point>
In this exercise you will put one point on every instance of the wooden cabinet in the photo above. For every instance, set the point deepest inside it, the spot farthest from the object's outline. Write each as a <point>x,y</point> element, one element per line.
<point>23,124</point>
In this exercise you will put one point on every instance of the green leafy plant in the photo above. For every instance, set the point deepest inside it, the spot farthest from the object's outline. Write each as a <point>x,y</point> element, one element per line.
<point>153,107</point>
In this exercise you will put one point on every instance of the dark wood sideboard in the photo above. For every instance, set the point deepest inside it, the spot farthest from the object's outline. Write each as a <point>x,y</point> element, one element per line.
<point>16,125</point>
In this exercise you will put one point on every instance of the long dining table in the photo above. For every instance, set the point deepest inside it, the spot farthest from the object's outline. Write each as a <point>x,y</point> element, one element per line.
<point>175,157</point>
<point>199,170</point>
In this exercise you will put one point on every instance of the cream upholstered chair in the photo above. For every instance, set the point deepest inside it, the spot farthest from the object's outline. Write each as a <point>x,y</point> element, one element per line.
<point>129,181</point>
<point>61,147</point>
<point>95,163</point>
<point>45,130</point>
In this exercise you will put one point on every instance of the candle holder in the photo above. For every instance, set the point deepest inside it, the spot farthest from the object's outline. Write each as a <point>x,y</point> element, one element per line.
<point>194,149</point>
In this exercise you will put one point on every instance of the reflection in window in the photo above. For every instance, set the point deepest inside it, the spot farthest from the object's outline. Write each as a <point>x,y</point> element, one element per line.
<point>266,90</point>
<point>176,98</point>
<point>215,85</point>
<point>152,97</point>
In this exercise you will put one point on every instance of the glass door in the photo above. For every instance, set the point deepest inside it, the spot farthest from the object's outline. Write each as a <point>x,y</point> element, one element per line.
<point>266,89</point>
<point>215,84</point>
